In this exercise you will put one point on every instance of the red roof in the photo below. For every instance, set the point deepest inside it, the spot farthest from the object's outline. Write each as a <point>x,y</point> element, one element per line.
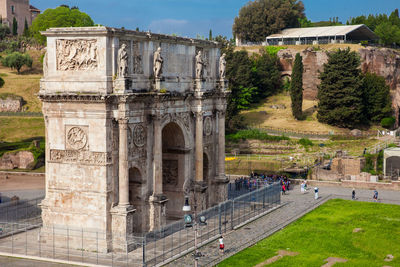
<point>32,8</point>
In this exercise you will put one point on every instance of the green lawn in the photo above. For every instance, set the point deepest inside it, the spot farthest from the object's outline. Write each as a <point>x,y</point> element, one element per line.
<point>328,232</point>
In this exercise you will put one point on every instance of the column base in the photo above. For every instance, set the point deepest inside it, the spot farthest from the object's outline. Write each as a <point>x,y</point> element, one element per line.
<point>198,84</point>
<point>122,228</point>
<point>223,85</point>
<point>157,211</point>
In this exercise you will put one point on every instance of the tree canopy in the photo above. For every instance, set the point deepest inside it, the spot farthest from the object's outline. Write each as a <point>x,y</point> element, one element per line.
<point>260,18</point>
<point>296,88</point>
<point>386,27</point>
<point>61,16</point>
<point>340,91</point>
<point>16,60</point>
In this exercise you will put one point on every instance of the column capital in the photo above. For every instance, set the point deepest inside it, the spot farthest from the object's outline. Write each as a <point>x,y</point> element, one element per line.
<point>198,114</point>
<point>221,112</point>
<point>123,121</point>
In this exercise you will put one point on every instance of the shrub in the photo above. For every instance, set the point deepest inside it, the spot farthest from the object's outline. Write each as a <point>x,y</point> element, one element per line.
<point>273,50</point>
<point>305,142</point>
<point>254,134</point>
<point>388,122</point>
<point>2,82</point>
<point>16,60</point>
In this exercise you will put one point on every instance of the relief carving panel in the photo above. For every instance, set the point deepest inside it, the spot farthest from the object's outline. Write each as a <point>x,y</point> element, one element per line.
<point>78,156</point>
<point>76,54</point>
<point>170,171</point>
<point>76,137</point>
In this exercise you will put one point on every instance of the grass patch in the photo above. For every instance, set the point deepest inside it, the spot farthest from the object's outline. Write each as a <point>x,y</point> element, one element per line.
<point>254,134</point>
<point>328,232</point>
<point>13,129</point>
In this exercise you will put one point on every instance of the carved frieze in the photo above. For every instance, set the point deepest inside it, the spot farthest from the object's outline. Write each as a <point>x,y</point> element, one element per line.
<point>139,135</point>
<point>208,126</point>
<point>76,137</point>
<point>76,54</point>
<point>183,118</point>
<point>170,172</point>
<point>137,59</point>
<point>79,156</point>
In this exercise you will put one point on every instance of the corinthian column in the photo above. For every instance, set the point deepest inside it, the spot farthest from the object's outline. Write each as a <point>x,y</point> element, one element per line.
<point>199,147</point>
<point>221,144</point>
<point>157,161</point>
<point>123,163</point>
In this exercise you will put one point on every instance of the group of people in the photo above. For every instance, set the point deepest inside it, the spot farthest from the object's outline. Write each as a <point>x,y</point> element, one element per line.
<point>256,181</point>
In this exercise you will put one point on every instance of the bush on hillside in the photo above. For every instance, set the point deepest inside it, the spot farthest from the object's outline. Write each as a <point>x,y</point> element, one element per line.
<point>254,134</point>
<point>388,122</point>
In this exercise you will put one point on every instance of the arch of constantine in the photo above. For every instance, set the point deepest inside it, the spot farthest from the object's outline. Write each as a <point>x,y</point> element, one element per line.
<point>134,122</point>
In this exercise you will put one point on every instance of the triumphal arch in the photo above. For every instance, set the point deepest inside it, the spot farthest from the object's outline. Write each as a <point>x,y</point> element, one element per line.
<point>134,121</point>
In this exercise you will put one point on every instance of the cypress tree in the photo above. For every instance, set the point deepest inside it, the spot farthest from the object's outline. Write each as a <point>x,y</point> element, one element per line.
<point>15,27</point>
<point>296,88</point>
<point>340,92</point>
<point>210,35</point>
<point>26,28</point>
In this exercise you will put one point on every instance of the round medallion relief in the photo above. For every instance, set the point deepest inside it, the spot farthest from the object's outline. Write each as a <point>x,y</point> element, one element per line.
<point>139,135</point>
<point>207,126</point>
<point>76,138</point>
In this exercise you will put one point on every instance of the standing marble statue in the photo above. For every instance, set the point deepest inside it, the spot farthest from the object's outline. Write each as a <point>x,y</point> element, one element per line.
<point>222,67</point>
<point>122,62</point>
<point>158,63</point>
<point>199,65</point>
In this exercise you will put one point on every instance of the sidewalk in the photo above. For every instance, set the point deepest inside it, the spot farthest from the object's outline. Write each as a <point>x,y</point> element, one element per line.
<point>296,205</point>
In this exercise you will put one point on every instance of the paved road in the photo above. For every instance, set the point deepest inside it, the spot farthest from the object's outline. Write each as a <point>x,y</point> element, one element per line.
<point>296,205</point>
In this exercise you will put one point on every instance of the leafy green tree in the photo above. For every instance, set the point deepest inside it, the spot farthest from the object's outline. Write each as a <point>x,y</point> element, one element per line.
<point>296,88</point>
<point>26,28</point>
<point>16,60</point>
<point>340,92</point>
<point>388,33</point>
<point>59,17</point>
<point>4,31</point>
<point>15,27</point>
<point>266,76</point>
<point>260,18</point>
<point>376,97</point>
<point>239,75</point>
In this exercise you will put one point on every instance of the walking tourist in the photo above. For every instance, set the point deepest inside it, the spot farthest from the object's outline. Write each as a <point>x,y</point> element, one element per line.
<point>315,192</point>
<point>375,197</point>
<point>353,194</point>
<point>283,189</point>
<point>221,245</point>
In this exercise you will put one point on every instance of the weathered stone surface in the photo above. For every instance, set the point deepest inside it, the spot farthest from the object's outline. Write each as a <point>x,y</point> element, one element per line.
<point>17,160</point>
<point>122,136</point>
<point>10,105</point>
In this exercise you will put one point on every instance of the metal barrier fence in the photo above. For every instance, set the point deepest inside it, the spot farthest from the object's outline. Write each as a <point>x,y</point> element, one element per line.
<point>90,246</point>
<point>176,239</point>
<point>20,210</point>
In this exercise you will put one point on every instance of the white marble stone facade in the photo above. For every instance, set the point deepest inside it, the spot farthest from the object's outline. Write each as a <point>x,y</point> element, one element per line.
<point>119,149</point>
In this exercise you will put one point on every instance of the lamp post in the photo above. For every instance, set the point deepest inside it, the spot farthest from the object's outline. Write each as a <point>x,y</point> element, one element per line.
<point>188,220</point>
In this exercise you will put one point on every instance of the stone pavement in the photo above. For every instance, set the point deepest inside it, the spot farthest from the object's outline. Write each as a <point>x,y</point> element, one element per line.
<point>296,205</point>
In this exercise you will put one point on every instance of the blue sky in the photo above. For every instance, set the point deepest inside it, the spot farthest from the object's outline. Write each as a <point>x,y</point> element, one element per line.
<point>192,17</point>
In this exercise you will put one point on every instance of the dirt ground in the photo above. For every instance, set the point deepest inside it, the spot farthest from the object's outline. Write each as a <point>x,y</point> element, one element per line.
<point>21,182</point>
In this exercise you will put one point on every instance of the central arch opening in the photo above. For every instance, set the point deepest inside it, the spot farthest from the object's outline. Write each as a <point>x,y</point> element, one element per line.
<point>173,167</point>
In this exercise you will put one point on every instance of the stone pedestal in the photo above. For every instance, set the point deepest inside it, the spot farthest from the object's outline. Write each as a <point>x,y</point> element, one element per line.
<point>220,191</point>
<point>157,212</point>
<point>122,225</point>
<point>198,84</point>
<point>158,84</point>
<point>122,85</point>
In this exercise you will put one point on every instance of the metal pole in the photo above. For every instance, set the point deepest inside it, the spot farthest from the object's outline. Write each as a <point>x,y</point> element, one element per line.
<point>219,219</point>
<point>68,242</point>
<point>144,251</point>
<point>53,244</point>
<point>195,231</point>
<point>97,247</point>
<point>232,210</point>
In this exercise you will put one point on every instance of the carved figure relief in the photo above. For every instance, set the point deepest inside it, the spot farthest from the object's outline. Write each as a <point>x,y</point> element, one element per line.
<point>158,63</point>
<point>200,64</point>
<point>222,67</point>
<point>170,172</point>
<point>184,118</point>
<point>122,61</point>
<point>137,59</point>
<point>139,135</point>
<point>76,138</point>
<point>78,156</point>
<point>76,54</point>
<point>208,126</point>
